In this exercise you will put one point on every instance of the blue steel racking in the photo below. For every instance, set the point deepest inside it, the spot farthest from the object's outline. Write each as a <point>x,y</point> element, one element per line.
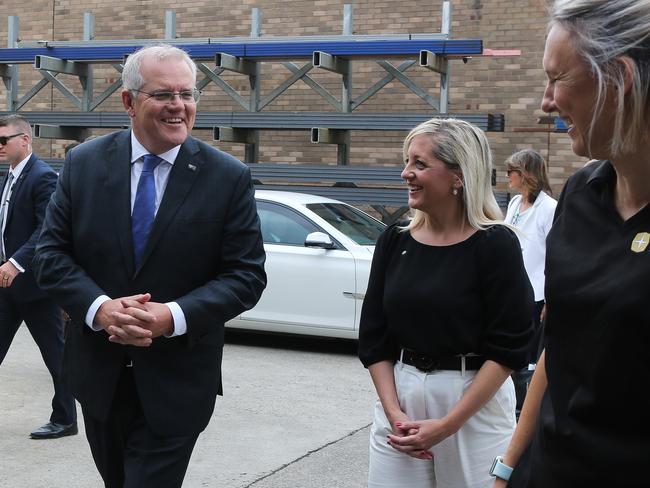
<point>257,50</point>
<point>245,55</point>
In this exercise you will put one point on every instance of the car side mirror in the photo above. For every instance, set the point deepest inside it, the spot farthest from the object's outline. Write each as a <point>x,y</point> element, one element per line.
<point>319,239</point>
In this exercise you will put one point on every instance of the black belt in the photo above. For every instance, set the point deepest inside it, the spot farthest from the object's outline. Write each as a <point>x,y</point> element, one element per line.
<point>426,363</point>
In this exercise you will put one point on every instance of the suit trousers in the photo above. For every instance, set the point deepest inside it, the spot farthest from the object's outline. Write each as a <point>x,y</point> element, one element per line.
<point>44,321</point>
<point>127,453</point>
<point>462,460</point>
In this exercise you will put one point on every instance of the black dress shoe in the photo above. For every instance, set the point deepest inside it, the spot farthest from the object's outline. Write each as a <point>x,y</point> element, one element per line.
<point>52,430</point>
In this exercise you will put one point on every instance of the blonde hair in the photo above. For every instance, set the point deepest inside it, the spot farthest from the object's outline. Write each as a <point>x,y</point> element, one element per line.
<point>463,147</point>
<point>602,32</point>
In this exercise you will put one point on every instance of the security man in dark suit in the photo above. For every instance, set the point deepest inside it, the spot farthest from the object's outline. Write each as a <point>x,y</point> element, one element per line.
<point>151,243</point>
<point>26,190</point>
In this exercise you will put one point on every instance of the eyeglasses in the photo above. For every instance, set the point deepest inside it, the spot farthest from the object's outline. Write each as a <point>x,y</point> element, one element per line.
<point>5,139</point>
<point>512,170</point>
<point>187,96</point>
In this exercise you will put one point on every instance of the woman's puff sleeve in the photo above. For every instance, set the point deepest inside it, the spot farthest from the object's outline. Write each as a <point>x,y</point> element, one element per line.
<point>376,342</point>
<point>508,300</point>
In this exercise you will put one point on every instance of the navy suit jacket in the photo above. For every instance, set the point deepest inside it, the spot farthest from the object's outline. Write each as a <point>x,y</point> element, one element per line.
<point>205,252</point>
<point>29,198</point>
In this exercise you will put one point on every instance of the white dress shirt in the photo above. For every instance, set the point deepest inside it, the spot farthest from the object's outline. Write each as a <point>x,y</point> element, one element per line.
<point>6,193</point>
<point>533,224</point>
<point>161,177</point>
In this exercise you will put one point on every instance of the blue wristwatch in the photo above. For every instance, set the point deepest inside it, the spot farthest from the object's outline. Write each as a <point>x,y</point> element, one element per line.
<point>500,470</point>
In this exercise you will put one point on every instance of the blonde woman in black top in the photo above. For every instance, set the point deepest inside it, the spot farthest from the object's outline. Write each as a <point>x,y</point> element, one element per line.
<point>445,320</point>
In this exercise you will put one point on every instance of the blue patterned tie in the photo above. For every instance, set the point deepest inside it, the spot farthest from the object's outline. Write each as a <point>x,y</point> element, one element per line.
<point>144,207</point>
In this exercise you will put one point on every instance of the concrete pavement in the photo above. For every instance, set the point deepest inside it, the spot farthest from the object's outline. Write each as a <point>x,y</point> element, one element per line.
<point>295,414</point>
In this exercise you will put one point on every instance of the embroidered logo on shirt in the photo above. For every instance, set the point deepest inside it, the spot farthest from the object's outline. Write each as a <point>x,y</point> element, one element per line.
<point>640,242</point>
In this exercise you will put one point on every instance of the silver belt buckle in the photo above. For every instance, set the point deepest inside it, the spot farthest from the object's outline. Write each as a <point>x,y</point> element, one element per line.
<point>462,361</point>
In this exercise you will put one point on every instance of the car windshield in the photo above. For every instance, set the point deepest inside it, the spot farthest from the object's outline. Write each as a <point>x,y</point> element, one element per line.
<point>357,225</point>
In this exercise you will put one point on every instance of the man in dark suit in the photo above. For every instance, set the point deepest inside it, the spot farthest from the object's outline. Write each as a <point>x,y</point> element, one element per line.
<point>26,190</point>
<point>148,300</point>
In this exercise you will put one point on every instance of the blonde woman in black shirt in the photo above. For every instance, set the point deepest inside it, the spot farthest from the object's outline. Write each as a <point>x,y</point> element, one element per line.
<point>585,416</point>
<point>445,320</point>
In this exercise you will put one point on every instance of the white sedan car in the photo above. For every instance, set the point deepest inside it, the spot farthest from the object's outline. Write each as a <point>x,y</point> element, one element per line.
<point>318,256</point>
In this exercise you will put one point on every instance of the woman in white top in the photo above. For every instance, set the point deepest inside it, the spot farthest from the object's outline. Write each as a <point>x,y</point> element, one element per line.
<point>531,212</point>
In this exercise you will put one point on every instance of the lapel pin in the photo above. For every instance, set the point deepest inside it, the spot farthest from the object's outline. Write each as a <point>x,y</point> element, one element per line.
<point>191,167</point>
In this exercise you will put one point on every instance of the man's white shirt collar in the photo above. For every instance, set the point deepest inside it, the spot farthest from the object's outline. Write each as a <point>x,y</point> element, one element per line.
<point>19,168</point>
<point>138,150</point>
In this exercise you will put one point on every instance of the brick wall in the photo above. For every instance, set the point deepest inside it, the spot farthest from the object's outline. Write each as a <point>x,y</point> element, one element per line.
<point>512,86</point>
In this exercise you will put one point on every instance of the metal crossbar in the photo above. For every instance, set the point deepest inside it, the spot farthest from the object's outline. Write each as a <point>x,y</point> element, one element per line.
<point>271,120</point>
<point>357,185</point>
<point>257,50</point>
<point>345,184</point>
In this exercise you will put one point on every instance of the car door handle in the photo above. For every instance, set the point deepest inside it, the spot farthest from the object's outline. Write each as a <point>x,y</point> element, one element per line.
<point>355,296</point>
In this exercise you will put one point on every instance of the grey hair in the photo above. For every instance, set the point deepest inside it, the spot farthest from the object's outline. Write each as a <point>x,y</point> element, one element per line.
<point>602,32</point>
<point>131,76</point>
<point>463,147</point>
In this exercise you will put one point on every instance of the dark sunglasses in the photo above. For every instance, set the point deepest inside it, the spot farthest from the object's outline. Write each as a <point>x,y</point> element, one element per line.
<point>508,171</point>
<point>5,139</point>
